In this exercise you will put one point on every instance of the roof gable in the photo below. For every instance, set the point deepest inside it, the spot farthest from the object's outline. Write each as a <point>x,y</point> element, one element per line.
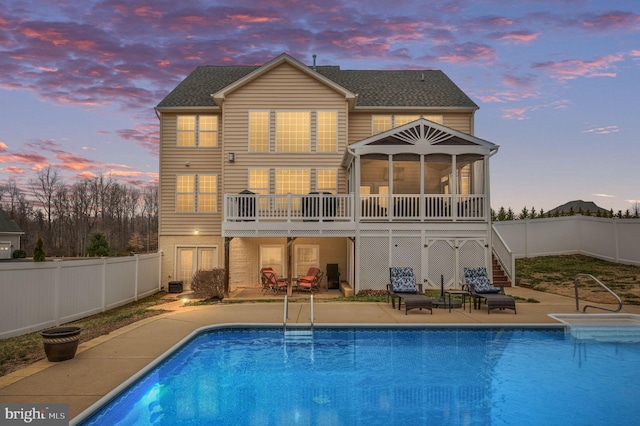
<point>284,58</point>
<point>423,131</point>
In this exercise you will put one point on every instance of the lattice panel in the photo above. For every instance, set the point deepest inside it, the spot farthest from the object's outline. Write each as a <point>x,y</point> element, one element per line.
<point>406,252</point>
<point>441,258</point>
<point>471,253</point>
<point>373,264</point>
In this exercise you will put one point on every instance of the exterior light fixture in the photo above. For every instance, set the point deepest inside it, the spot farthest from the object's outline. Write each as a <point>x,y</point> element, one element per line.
<point>232,157</point>
<point>196,232</point>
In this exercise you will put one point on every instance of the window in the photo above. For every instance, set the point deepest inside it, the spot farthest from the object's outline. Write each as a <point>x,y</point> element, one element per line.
<point>197,130</point>
<point>327,180</point>
<point>306,256</point>
<point>327,132</point>
<point>259,131</point>
<point>292,181</point>
<point>273,257</point>
<point>185,194</point>
<point>206,194</point>
<point>259,181</point>
<point>381,123</point>
<point>293,131</point>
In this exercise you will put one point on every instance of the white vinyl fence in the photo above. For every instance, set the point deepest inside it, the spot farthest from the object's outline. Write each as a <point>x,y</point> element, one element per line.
<point>36,295</point>
<point>615,240</point>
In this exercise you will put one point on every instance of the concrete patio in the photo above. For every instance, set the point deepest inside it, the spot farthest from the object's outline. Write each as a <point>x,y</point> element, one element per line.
<point>102,364</point>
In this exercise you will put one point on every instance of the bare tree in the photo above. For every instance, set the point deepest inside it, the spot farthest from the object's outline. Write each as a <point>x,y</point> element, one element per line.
<point>44,188</point>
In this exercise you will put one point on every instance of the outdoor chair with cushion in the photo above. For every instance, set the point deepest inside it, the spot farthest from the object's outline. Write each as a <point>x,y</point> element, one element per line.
<point>403,286</point>
<point>270,281</point>
<point>311,281</point>
<point>493,300</point>
<point>480,280</point>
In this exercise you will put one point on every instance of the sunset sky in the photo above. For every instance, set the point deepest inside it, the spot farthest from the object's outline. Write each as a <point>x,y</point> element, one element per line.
<point>557,81</point>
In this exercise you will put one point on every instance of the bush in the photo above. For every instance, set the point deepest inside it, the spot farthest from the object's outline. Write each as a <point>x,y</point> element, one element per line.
<point>209,284</point>
<point>38,251</point>
<point>19,254</point>
<point>98,245</point>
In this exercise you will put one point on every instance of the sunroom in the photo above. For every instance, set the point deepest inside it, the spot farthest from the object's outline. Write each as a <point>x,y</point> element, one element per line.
<point>421,171</point>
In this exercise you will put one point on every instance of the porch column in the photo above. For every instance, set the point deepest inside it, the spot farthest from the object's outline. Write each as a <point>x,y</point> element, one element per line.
<point>227,243</point>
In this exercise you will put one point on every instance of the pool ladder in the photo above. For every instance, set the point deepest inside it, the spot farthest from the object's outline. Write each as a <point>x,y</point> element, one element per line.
<point>297,333</point>
<point>575,285</point>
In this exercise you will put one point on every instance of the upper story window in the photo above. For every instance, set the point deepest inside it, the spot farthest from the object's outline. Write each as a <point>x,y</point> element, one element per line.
<point>293,181</point>
<point>327,180</point>
<point>259,131</point>
<point>293,131</point>
<point>327,131</point>
<point>381,123</point>
<point>196,194</point>
<point>197,130</point>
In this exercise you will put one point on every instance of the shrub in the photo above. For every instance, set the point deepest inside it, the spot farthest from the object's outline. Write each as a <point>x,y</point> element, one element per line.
<point>38,251</point>
<point>98,245</point>
<point>209,284</point>
<point>19,254</point>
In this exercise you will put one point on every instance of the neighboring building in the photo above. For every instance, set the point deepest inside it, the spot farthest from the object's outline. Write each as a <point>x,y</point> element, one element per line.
<point>10,234</point>
<point>292,166</point>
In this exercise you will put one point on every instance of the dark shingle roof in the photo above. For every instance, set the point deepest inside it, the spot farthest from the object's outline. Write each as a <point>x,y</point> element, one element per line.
<point>375,88</point>
<point>8,225</point>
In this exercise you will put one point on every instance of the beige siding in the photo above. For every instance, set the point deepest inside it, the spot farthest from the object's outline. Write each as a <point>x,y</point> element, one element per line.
<point>244,261</point>
<point>205,161</point>
<point>282,89</point>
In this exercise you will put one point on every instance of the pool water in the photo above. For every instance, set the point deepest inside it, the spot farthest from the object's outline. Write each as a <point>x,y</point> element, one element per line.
<point>386,376</point>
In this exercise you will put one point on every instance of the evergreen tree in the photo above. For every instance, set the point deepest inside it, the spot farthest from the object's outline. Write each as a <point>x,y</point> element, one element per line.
<point>510,214</point>
<point>38,251</point>
<point>502,214</point>
<point>98,245</point>
<point>524,214</point>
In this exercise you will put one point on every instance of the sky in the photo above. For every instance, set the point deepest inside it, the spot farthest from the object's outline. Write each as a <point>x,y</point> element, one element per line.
<point>557,81</point>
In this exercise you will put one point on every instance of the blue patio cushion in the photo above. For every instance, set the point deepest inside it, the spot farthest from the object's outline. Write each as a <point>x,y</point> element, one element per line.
<point>403,280</point>
<point>479,279</point>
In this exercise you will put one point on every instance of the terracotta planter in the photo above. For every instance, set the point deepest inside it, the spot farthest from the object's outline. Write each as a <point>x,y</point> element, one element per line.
<point>61,343</point>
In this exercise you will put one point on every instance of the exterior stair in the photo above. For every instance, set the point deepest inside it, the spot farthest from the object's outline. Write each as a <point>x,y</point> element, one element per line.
<point>499,277</point>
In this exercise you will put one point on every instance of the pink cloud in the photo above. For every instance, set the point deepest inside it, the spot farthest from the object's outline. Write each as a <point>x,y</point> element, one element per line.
<point>573,68</point>
<point>612,20</point>
<point>515,36</point>
<point>466,52</point>
<point>605,130</point>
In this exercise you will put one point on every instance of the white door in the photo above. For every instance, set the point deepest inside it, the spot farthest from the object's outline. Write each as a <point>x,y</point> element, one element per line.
<point>191,259</point>
<point>5,250</point>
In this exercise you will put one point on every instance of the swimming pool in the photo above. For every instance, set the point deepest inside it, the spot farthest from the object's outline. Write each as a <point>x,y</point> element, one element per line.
<point>379,375</point>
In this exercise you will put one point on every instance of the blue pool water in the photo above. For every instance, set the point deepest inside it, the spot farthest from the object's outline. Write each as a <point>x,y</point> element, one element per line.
<point>387,376</point>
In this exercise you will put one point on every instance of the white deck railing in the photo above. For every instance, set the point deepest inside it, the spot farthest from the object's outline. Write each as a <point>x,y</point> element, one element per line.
<point>340,207</point>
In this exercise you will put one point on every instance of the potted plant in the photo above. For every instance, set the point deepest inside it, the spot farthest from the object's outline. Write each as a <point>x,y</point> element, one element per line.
<point>61,343</point>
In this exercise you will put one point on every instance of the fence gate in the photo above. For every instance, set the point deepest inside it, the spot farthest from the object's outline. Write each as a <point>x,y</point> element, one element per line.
<point>446,257</point>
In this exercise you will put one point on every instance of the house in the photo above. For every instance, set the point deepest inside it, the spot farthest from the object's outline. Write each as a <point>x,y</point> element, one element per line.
<point>292,166</point>
<point>10,234</point>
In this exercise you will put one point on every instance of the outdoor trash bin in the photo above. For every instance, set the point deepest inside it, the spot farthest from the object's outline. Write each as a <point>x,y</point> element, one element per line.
<point>175,286</point>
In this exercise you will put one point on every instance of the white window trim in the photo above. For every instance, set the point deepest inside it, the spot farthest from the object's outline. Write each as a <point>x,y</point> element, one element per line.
<point>269,118</point>
<point>275,142</point>
<point>317,132</point>
<point>335,187</point>
<point>316,247</point>
<point>196,131</point>
<point>283,262</point>
<point>393,120</point>
<point>196,193</point>
<point>275,181</point>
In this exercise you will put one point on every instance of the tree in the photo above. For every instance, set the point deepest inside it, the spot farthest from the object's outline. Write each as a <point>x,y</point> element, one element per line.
<point>524,214</point>
<point>98,245</point>
<point>38,251</point>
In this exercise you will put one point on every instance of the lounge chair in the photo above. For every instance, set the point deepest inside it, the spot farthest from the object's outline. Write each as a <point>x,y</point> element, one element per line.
<point>311,281</point>
<point>493,300</point>
<point>403,286</point>
<point>480,288</point>
<point>270,281</point>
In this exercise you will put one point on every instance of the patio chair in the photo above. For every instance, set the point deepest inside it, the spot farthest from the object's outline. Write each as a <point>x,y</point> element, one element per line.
<point>333,276</point>
<point>311,281</point>
<point>403,286</point>
<point>480,280</point>
<point>493,300</point>
<point>270,281</point>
